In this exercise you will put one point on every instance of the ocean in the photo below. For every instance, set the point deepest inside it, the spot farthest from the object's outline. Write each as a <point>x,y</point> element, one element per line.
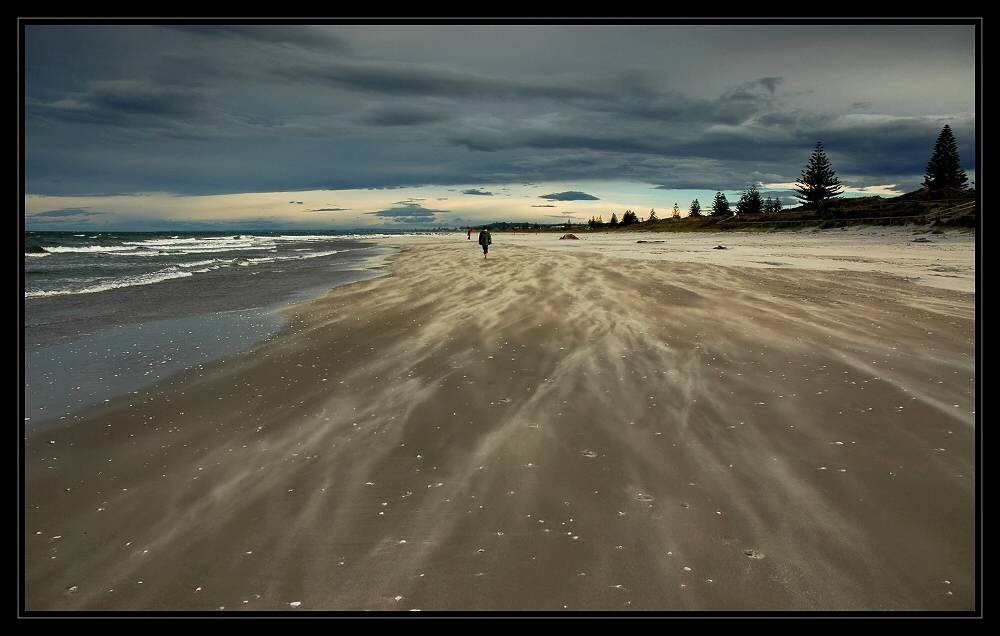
<point>107,313</point>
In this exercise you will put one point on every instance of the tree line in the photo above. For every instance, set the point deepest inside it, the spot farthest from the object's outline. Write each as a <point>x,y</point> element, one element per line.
<point>817,183</point>
<point>944,170</point>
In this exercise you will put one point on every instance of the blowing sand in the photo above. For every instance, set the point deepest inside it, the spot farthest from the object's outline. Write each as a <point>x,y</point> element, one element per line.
<point>788,424</point>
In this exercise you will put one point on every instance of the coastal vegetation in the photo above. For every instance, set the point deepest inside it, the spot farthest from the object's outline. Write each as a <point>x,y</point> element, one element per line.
<point>818,181</point>
<point>944,170</point>
<point>944,201</point>
<point>948,208</point>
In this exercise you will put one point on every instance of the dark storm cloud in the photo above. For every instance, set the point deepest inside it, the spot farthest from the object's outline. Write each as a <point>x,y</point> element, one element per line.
<point>399,115</point>
<point>136,105</point>
<point>569,195</point>
<point>64,212</point>
<point>408,213</point>
<point>294,35</point>
<point>477,191</point>
<point>227,108</point>
<point>740,103</point>
<point>400,78</point>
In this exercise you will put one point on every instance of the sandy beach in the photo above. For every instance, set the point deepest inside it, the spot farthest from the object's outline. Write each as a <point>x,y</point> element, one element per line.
<point>619,423</point>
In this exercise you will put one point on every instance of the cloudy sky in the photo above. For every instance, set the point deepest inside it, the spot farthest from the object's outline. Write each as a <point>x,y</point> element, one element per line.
<point>396,125</point>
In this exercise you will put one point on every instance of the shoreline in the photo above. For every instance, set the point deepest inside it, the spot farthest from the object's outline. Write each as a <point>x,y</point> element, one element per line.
<point>117,359</point>
<point>549,430</point>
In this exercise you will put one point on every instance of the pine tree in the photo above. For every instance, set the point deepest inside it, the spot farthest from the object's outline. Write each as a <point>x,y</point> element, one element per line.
<point>720,205</point>
<point>750,202</point>
<point>652,215</point>
<point>695,209</point>
<point>818,180</point>
<point>944,170</point>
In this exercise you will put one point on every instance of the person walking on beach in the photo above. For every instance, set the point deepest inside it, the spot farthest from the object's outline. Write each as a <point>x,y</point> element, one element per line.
<point>485,239</point>
<point>470,233</point>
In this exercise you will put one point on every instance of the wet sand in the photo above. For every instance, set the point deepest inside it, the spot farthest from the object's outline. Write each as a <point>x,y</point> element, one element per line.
<point>555,429</point>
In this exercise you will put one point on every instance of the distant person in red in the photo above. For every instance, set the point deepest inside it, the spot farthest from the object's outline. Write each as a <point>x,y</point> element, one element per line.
<point>470,233</point>
<point>485,239</point>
